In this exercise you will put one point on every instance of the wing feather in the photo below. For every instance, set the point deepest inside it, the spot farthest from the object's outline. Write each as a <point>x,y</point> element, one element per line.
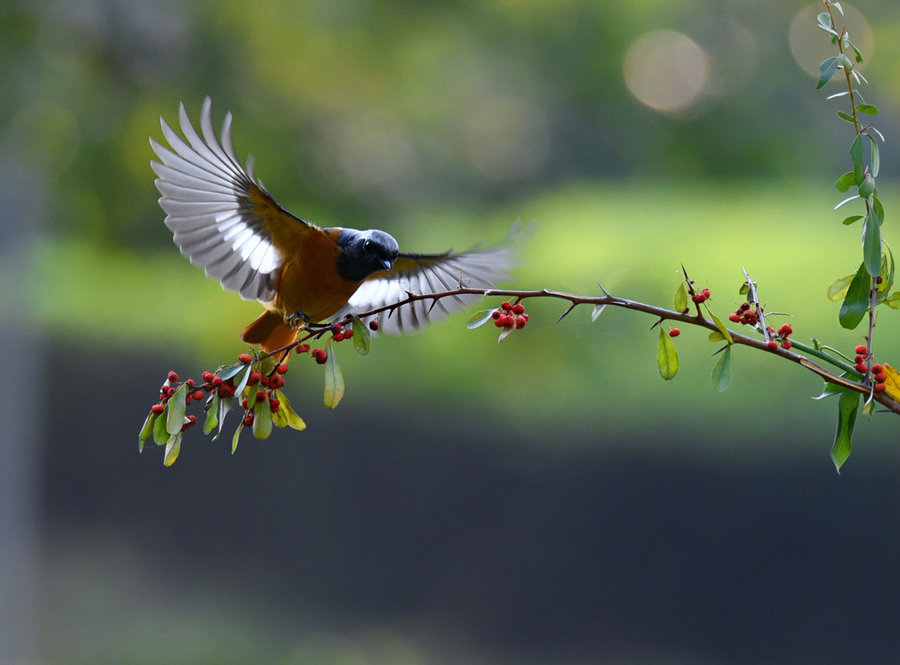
<point>212,206</point>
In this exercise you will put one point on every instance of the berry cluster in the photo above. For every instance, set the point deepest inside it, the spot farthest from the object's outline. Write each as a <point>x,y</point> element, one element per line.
<point>745,314</point>
<point>861,365</point>
<point>781,335</point>
<point>510,316</point>
<point>700,297</point>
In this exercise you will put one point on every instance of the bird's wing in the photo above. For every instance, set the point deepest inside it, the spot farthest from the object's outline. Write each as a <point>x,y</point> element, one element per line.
<point>223,220</point>
<point>428,273</point>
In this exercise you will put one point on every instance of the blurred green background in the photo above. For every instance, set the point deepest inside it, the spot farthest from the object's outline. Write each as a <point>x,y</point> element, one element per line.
<point>545,500</point>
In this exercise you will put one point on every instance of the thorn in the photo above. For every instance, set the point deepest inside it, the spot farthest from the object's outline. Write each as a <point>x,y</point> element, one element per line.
<point>566,313</point>
<point>658,321</point>
<point>605,292</point>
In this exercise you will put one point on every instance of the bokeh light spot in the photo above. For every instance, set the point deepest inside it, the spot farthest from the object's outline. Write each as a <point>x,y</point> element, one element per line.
<point>666,70</point>
<point>810,45</point>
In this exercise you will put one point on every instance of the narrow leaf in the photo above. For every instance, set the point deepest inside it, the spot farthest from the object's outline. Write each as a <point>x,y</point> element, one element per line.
<point>837,6</point>
<point>721,326</point>
<point>293,420</point>
<point>872,244</point>
<point>175,414</point>
<point>242,383</point>
<point>666,356</point>
<point>334,381</point>
<point>173,447</point>
<point>597,311</point>
<point>236,437</point>
<point>846,117</point>
<point>146,430</point>
<point>680,299</point>
<point>856,151</point>
<point>856,301</point>
<point>875,166</point>
<point>476,320</point>
<point>721,372</point>
<point>227,372</point>
<point>262,421</point>
<point>827,68</point>
<point>212,415</point>
<point>852,219</point>
<point>224,408</point>
<point>847,200</point>
<point>868,109</point>
<point>362,338</point>
<point>160,434</point>
<point>893,300</point>
<point>847,410</point>
<point>838,94</point>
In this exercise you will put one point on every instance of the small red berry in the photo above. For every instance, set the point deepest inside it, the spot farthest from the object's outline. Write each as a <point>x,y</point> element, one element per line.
<point>320,355</point>
<point>273,408</point>
<point>338,337</point>
<point>261,396</point>
<point>245,358</point>
<point>859,359</point>
<point>520,322</point>
<point>337,328</point>
<point>374,325</point>
<point>674,332</point>
<point>281,369</point>
<point>705,293</point>
<point>880,387</point>
<point>880,378</point>
<point>496,314</point>
<point>191,420</point>
<point>860,367</point>
<point>216,381</point>
<point>173,377</point>
<point>772,344</point>
<point>734,317</point>
<point>207,376</point>
<point>785,330</point>
<point>157,408</point>
<point>877,368</point>
<point>518,308</point>
<point>745,306</point>
<point>506,305</point>
<point>301,348</point>
<point>861,349</point>
<point>197,395</point>
<point>786,344</point>
<point>243,402</point>
<point>348,333</point>
<point>254,378</point>
<point>248,419</point>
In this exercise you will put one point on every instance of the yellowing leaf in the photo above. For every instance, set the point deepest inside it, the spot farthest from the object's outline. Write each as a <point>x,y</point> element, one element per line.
<point>334,381</point>
<point>666,356</point>
<point>839,287</point>
<point>891,382</point>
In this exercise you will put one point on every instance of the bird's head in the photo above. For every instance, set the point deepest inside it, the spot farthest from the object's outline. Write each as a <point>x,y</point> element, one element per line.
<point>365,252</point>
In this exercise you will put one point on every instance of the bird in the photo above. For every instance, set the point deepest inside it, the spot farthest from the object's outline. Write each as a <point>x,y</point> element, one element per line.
<point>226,222</point>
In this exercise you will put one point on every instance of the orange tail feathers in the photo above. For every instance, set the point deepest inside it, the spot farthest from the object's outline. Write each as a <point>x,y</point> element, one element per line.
<point>269,331</point>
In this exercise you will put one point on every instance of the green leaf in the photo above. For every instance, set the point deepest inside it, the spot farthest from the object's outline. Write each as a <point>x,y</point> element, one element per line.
<point>293,420</point>
<point>173,447</point>
<point>236,437</point>
<point>745,289</point>
<point>837,6</point>
<point>827,68</point>
<point>872,243</point>
<point>847,221</point>
<point>845,61</point>
<point>362,338</point>
<point>212,415</point>
<point>875,167</point>
<point>334,381</point>
<point>879,209</point>
<point>146,430</point>
<point>262,420</point>
<point>868,109</point>
<point>846,181</point>
<point>226,373</point>
<point>175,415</point>
<point>721,326</point>
<point>721,372</point>
<point>867,186</point>
<point>839,287</point>
<point>716,336</point>
<point>824,21</point>
<point>847,410</point>
<point>160,435</point>
<point>666,356</point>
<point>844,116</point>
<point>224,408</point>
<point>476,320</point>
<point>242,383</point>
<point>266,365</point>
<point>887,271</point>
<point>856,303</point>
<point>680,299</point>
<point>856,151</point>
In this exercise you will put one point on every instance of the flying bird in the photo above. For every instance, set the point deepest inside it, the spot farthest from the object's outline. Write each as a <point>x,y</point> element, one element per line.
<point>225,221</point>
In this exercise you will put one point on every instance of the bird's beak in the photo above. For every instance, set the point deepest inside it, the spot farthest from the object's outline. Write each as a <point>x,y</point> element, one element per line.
<point>387,263</point>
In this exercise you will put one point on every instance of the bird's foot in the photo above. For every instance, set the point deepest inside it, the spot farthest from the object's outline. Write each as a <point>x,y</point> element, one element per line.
<point>299,320</point>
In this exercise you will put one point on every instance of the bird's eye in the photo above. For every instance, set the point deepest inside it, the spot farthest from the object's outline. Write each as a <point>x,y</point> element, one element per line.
<point>368,245</point>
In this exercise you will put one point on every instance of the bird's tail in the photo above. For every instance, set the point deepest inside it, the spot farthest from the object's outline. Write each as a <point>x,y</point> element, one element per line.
<point>269,331</point>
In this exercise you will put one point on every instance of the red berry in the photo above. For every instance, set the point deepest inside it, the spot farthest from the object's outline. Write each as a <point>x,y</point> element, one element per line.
<point>860,367</point>
<point>518,308</point>
<point>520,322</point>
<point>248,419</point>
<point>243,402</point>
<point>157,408</point>
<point>338,337</point>
<point>496,314</point>
<point>858,359</point>
<point>745,306</point>
<point>674,332</point>
<point>336,328</point>
<point>786,344</point>
<point>197,395</point>
<point>216,381</point>
<point>506,305</point>
<point>245,358</point>
<point>261,396</point>
<point>374,325</point>
<point>274,401</point>
<point>705,293</point>
<point>861,349</point>
<point>273,408</point>
<point>772,344</point>
<point>880,387</point>
<point>320,355</point>
<point>785,330</point>
<point>173,377</point>
<point>348,333</point>
<point>188,399</point>
<point>301,348</point>
<point>281,369</point>
<point>207,376</point>
<point>734,318</point>
<point>254,378</point>
<point>880,378</point>
<point>877,368</point>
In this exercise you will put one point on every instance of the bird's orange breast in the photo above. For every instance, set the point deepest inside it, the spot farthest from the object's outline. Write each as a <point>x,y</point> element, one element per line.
<point>309,280</point>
